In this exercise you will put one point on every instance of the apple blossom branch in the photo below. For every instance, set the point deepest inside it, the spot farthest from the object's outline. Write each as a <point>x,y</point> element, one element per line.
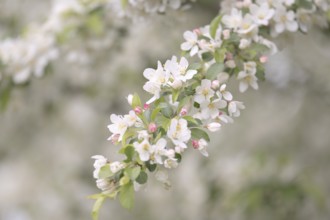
<point>189,95</point>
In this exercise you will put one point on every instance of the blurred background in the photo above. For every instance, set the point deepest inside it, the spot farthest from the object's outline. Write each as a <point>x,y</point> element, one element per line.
<point>272,163</point>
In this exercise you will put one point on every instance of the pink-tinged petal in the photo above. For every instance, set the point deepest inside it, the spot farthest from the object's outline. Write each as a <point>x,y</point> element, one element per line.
<point>194,50</point>
<point>292,26</point>
<point>190,36</point>
<point>243,86</point>
<point>227,95</point>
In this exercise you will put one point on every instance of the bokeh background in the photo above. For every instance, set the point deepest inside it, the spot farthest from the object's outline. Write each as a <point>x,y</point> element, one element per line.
<point>272,163</point>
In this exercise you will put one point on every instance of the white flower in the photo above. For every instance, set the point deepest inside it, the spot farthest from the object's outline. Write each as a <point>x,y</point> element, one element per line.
<point>234,20</point>
<point>204,92</point>
<point>179,70</point>
<point>285,20</point>
<point>144,149</point>
<point>234,108</point>
<point>202,144</point>
<point>171,163</point>
<point>157,78</point>
<point>119,126</point>
<point>211,108</point>
<point>157,151</point>
<point>261,14</point>
<point>248,77</point>
<point>99,162</point>
<point>247,25</point>
<point>104,184</point>
<point>131,118</point>
<point>213,126</point>
<point>223,93</point>
<point>179,133</point>
<point>116,166</point>
<point>191,43</point>
<point>143,135</point>
<point>223,117</point>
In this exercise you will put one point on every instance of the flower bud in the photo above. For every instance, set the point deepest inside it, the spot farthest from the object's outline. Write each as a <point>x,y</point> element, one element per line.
<point>213,126</point>
<point>138,110</point>
<point>197,31</point>
<point>231,64</point>
<point>146,106</point>
<point>195,144</point>
<point>130,99</point>
<point>263,59</point>
<point>152,127</point>
<point>215,84</point>
<point>183,112</point>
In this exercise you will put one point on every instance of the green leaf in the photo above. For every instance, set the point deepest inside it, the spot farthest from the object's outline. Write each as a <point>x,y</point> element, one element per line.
<point>124,3</point>
<point>133,173</point>
<point>129,133</point>
<point>151,167</point>
<point>214,26</point>
<point>191,120</point>
<point>126,196</point>
<point>124,180</point>
<point>175,95</point>
<point>219,55</point>
<point>207,56</point>
<point>136,102</point>
<point>95,23</point>
<point>129,152</point>
<point>164,122</point>
<point>154,114</point>
<point>105,171</point>
<point>178,157</point>
<point>96,207</point>
<point>195,66</point>
<point>183,102</point>
<point>198,133</point>
<point>214,71</point>
<point>4,96</point>
<point>142,178</point>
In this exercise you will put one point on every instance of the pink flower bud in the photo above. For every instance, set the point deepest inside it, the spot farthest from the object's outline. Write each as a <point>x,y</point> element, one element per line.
<point>138,110</point>
<point>146,106</point>
<point>215,84</point>
<point>183,112</point>
<point>229,56</point>
<point>197,31</point>
<point>152,127</point>
<point>195,144</point>
<point>263,59</point>
<point>114,138</point>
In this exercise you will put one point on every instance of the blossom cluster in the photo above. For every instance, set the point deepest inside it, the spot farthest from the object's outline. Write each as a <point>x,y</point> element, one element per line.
<point>189,98</point>
<point>138,9</point>
<point>30,54</point>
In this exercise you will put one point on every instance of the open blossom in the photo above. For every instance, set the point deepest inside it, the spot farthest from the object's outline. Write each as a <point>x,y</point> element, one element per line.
<point>234,20</point>
<point>179,70</point>
<point>247,25</point>
<point>224,94</point>
<point>234,108</point>
<point>157,151</point>
<point>144,149</point>
<point>118,126</point>
<point>261,14</point>
<point>285,20</point>
<point>157,78</point>
<point>248,77</point>
<point>179,133</point>
<point>116,166</point>
<point>191,43</point>
<point>210,109</point>
<point>204,92</point>
<point>213,126</point>
<point>99,162</point>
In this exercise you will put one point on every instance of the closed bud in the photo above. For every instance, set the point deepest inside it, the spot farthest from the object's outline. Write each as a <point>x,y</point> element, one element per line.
<point>146,106</point>
<point>183,112</point>
<point>195,144</point>
<point>138,110</point>
<point>215,84</point>
<point>152,127</point>
<point>263,59</point>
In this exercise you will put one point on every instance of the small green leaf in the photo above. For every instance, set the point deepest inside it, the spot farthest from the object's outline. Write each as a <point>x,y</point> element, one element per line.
<point>178,157</point>
<point>133,173</point>
<point>96,207</point>
<point>198,133</point>
<point>175,95</point>
<point>151,167</point>
<point>105,171</point>
<point>136,102</point>
<point>214,26</point>
<point>124,180</point>
<point>142,178</point>
<point>154,114</point>
<point>219,55</point>
<point>129,152</point>
<point>207,56</point>
<point>214,71</point>
<point>164,122</point>
<point>129,133</point>
<point>191,121</point>
<point>183,102</point>
<point>195,66</point>
<point>126,196</point>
